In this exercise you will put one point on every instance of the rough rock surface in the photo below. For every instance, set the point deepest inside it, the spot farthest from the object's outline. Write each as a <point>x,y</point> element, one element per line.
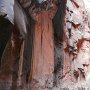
<point>64,66</point>
<point>77,46</point>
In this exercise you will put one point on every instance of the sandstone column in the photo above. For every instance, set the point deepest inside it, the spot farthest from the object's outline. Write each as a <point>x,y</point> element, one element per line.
<point>43,53</point>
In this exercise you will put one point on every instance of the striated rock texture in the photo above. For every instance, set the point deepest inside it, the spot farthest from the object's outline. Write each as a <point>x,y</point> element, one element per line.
<point>50,49</point>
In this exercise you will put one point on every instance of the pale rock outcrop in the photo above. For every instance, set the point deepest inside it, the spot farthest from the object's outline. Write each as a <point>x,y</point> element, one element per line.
<point>77,58</point>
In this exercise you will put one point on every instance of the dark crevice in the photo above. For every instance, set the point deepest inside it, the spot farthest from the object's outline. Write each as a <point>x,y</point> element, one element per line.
<point>58,25</point>
<point>6,28</point>
<point>28,50</point>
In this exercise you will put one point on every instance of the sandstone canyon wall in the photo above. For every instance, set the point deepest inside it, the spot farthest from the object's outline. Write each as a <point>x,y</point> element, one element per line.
<point>50,49</point>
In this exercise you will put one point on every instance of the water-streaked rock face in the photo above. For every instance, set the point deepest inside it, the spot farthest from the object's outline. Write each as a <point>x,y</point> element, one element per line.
<point>66,65</point>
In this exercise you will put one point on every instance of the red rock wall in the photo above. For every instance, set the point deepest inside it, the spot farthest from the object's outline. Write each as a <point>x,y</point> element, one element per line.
<point>53,66</point>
